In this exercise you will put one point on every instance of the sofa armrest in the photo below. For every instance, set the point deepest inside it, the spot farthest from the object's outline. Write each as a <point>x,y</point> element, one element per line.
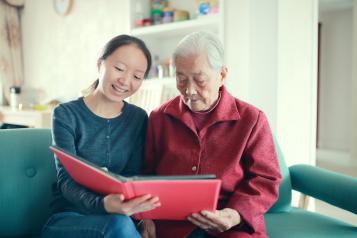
<point>334,188</point>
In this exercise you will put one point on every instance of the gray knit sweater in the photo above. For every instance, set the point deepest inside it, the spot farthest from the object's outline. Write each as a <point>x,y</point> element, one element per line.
<point>116,144</point>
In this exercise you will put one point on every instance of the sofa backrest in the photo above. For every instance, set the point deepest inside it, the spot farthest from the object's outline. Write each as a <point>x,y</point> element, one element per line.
<point>284,201</point>
<point>27,173</point>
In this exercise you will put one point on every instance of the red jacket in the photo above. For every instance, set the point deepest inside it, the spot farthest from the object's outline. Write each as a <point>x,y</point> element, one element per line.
<point>236,144</point>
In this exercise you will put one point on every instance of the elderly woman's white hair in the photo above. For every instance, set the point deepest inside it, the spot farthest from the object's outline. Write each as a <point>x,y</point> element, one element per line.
<point>201,42</point>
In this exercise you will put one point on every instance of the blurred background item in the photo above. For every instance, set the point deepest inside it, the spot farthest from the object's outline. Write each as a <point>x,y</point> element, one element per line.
<point>181,15</point>
<point>167,15</point>
<point>205,7</point>
<point>15,96</point>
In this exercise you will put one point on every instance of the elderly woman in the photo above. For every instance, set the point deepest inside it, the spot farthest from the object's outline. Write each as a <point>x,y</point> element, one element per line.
<point>206,130</point>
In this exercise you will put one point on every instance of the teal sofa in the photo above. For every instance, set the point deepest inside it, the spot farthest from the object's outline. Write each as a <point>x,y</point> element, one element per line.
<point>283,220</point>
<point>27,174</point>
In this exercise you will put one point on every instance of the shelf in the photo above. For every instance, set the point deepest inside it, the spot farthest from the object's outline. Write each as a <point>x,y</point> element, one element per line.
<point>162,40</point>
<point>178,28</point>
<point>27,117</point>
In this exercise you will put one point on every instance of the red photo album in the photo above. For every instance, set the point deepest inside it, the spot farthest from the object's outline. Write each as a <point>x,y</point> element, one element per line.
<point>179,196</point>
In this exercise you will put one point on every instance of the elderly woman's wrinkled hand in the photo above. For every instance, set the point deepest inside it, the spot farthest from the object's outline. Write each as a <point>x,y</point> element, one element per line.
<point>218,221</point>
<point>147,229</point>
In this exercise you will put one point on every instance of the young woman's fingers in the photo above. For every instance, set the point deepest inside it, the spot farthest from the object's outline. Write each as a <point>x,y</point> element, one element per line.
<point>121,197</point>
<point>149,202</point>
<point>138,200</point>
<point>141,204</point>
<point>152,200</point>
<point>147,206</point>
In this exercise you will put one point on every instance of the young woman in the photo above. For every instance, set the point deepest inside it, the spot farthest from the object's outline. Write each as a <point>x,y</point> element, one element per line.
<point>109,132</point>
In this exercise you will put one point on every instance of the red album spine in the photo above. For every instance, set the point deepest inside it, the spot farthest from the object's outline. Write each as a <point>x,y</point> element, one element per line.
<point>130,188</point>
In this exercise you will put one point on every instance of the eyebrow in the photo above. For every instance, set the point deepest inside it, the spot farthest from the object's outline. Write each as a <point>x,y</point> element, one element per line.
<point>180,73</point>
<point>195,74</point>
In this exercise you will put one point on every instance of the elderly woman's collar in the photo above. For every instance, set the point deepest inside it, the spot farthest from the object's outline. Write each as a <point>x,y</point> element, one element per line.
<point>226,109</point>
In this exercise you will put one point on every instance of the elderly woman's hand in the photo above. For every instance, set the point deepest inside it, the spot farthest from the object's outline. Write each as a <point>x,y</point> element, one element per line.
<point>147,229</point>
<point>218,221</point>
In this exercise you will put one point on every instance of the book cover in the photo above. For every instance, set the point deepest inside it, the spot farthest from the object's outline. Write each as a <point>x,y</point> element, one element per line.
<point>179,196</point>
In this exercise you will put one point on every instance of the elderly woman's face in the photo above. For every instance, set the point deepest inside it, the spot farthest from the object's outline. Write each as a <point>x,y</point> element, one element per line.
<point>197,82</point>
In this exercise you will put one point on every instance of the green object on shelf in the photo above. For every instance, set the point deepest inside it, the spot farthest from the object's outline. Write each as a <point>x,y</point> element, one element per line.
<point>40,107</point>
<point>156,16</point>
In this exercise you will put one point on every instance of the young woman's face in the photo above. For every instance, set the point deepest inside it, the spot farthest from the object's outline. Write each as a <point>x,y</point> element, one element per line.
<point>122,73</point>
<point>197,82</point>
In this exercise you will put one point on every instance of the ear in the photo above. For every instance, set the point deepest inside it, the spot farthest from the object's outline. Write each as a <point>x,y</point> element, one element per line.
<point>224,72</point>
<point>99,64</point>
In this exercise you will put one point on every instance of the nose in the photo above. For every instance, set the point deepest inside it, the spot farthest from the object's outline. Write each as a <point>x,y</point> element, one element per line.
<point>125,79</point>
<point>190,90</point>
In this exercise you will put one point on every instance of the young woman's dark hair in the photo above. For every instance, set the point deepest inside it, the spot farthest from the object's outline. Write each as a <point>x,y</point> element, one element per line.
<point>119,41</point>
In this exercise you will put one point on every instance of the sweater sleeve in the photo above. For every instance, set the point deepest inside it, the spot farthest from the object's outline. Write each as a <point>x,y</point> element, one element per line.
<point>259,190</point>
<point>64,136</point>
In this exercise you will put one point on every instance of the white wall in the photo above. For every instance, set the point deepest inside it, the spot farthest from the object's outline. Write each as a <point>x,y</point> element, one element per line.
<point>297,79</point>
<point>60,52</point>
<point>354,86</point>
<point>335,80</point>
<point>263,90</point>
<point>271,52</point>
<point>251,53</point>
<point>237,43</point>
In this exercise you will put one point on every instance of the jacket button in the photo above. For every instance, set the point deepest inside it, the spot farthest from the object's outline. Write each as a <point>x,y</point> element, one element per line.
<point>194,168</point>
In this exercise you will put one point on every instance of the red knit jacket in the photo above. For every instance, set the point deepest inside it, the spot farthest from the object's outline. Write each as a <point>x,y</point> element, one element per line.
<point>236,144</point>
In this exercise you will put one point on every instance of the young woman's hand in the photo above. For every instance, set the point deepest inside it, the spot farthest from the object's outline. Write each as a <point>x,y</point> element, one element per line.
<point>147,229</point>
<point>114,203</point>
<point>216,222</point>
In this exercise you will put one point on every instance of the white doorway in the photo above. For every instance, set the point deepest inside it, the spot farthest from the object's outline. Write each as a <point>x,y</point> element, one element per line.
<point>335,95</point>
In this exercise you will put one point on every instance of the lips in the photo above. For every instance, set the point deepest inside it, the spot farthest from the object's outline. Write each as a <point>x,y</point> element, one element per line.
<point>191,99</point>
<point>119,89</point>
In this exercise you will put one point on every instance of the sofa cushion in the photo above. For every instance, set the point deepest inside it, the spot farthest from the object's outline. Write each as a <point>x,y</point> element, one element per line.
<point>299,223</point>
<point>27,173</point>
